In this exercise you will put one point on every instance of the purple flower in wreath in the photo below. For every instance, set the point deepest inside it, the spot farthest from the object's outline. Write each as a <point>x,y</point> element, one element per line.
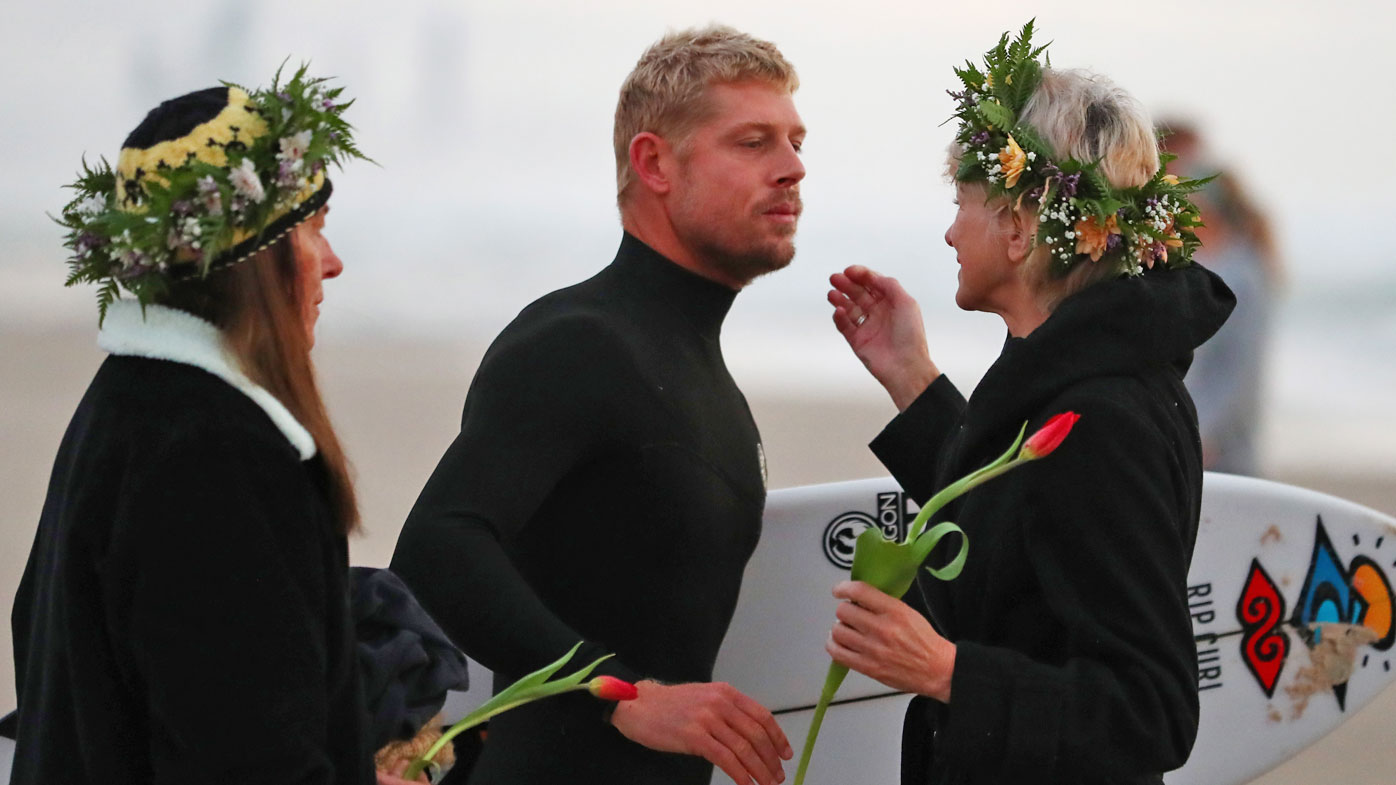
<point>287,175</point>
<point>980,138</point>
<point>1113,242</point>
<point>86,243</point>
<point>1069,183</point>
<point>211,197</point>
<point>134,271</point>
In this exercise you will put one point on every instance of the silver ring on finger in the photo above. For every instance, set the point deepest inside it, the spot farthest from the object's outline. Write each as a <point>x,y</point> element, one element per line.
<point>862,317</point>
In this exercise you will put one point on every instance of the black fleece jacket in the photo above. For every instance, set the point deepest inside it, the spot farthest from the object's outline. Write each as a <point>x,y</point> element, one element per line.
<point>1075,658</point>
<point>183,617</point>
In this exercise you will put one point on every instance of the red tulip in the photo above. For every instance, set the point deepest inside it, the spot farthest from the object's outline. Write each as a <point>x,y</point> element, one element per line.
<point>612,689</point>
<point>1049,436</point>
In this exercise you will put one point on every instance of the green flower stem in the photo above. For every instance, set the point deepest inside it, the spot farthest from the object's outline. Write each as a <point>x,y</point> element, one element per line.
<point>530,688</point>
<point>485,712</point>
<point>963,485</point>
<point>832,682</point>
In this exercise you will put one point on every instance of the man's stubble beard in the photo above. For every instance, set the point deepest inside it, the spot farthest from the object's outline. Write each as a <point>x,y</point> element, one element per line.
<point>738,259</point>
<point>752,263</point>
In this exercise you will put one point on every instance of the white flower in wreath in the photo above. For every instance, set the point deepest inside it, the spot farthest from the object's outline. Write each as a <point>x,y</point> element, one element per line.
<point>293,149</point>
<point>92,205</point>
<point>245,181</point>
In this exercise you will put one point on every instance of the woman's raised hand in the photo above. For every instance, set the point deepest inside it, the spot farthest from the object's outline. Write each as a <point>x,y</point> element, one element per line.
<point>883,327</point>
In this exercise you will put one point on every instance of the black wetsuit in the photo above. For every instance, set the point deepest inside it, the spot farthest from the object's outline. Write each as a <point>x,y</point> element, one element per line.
<point>607,486</point>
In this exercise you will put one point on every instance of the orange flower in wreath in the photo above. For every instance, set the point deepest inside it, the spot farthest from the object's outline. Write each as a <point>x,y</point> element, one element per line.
<point>1093,235</point>
<point>1013,161</point>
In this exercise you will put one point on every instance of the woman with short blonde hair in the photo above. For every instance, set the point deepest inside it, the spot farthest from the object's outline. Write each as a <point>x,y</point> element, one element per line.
<point>1063,653</point>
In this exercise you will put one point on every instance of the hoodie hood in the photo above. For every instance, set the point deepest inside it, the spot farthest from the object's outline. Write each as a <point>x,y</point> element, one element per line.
<point>1120,327</point>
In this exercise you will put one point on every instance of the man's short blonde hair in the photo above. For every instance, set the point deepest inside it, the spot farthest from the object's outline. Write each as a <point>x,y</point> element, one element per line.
<point>664,94</point>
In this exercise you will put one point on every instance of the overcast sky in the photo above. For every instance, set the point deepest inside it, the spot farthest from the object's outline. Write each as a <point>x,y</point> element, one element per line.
<point>492,123</point>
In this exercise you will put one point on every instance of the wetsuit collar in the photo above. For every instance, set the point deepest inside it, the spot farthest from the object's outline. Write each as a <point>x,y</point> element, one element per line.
<point>702,302</point>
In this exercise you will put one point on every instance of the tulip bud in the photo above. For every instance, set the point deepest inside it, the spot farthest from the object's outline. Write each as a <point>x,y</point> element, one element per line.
<point>612,689</point>
<point>1049,437</point>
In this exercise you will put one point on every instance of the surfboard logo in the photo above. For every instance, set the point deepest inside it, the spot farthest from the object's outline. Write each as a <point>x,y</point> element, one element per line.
<point>1264,645</point>
<point>1349,604</point>
<point>843,530</point>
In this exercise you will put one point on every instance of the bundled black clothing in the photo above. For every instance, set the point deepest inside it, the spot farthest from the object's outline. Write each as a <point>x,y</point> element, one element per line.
<point>183,617</point>
<point>1075,658</point>
<point>607,485</point>
<point>407,663</point>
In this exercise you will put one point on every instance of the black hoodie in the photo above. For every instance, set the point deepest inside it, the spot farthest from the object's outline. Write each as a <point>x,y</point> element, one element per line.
<point>1075,658</point>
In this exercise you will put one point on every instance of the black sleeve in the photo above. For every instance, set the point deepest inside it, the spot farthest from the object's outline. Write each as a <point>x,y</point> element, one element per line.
<point>1108,545</point>
<point>911,445</point>
<point>224,568</point>
<point>545,397</point>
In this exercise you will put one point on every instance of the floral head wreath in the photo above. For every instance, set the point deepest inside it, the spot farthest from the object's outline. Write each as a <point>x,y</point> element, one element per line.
<point>207,180</point>
<point>1080,214</point>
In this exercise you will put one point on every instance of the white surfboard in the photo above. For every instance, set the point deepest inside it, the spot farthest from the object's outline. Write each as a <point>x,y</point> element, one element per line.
<point>1271,561</point>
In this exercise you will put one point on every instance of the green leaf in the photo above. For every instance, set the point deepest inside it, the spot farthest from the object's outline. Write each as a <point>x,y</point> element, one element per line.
<point>1099,185</point>
<point>1030,142</point>
<point>996,115</point>
<point>1026,76</point>
<point>969,170</point>
<point>927,542</point>
<point>1023,45</point>
<point>886,564</point>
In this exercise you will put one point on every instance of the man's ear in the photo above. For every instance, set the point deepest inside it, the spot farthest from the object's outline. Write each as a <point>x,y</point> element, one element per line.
<point>650,159</point>
<point>1022,231</point>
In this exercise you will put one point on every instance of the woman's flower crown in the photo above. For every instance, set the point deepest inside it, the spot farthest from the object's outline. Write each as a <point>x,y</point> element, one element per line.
<point>1080,214</point>
<point>211,197</point>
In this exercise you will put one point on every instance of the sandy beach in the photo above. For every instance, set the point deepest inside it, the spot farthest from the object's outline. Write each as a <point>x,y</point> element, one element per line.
<point>397,406</point>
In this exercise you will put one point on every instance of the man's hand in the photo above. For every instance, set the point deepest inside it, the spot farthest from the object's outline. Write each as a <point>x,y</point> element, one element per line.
<point>884,638</point>
<point>712,721</point>
<point>883,327</point>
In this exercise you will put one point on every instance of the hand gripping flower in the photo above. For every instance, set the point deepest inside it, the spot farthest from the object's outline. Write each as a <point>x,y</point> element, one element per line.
<point>890,566</point>
<point>526,690</point>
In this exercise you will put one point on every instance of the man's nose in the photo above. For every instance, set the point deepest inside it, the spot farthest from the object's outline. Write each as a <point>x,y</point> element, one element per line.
<point>792,167</point>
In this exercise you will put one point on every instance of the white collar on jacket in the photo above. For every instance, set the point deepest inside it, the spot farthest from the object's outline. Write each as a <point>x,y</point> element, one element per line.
<point>169,334</point>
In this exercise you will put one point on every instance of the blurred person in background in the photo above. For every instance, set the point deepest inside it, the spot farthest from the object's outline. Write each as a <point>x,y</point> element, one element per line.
<point>608,480</point>
<point>1227,378</point>
<point>184,613</point>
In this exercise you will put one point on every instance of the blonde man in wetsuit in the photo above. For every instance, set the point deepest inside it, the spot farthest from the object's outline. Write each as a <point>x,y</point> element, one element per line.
<point>608,481</point>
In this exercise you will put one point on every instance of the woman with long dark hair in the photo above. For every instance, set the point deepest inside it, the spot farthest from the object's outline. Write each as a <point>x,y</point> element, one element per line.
<point>183,616</point>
